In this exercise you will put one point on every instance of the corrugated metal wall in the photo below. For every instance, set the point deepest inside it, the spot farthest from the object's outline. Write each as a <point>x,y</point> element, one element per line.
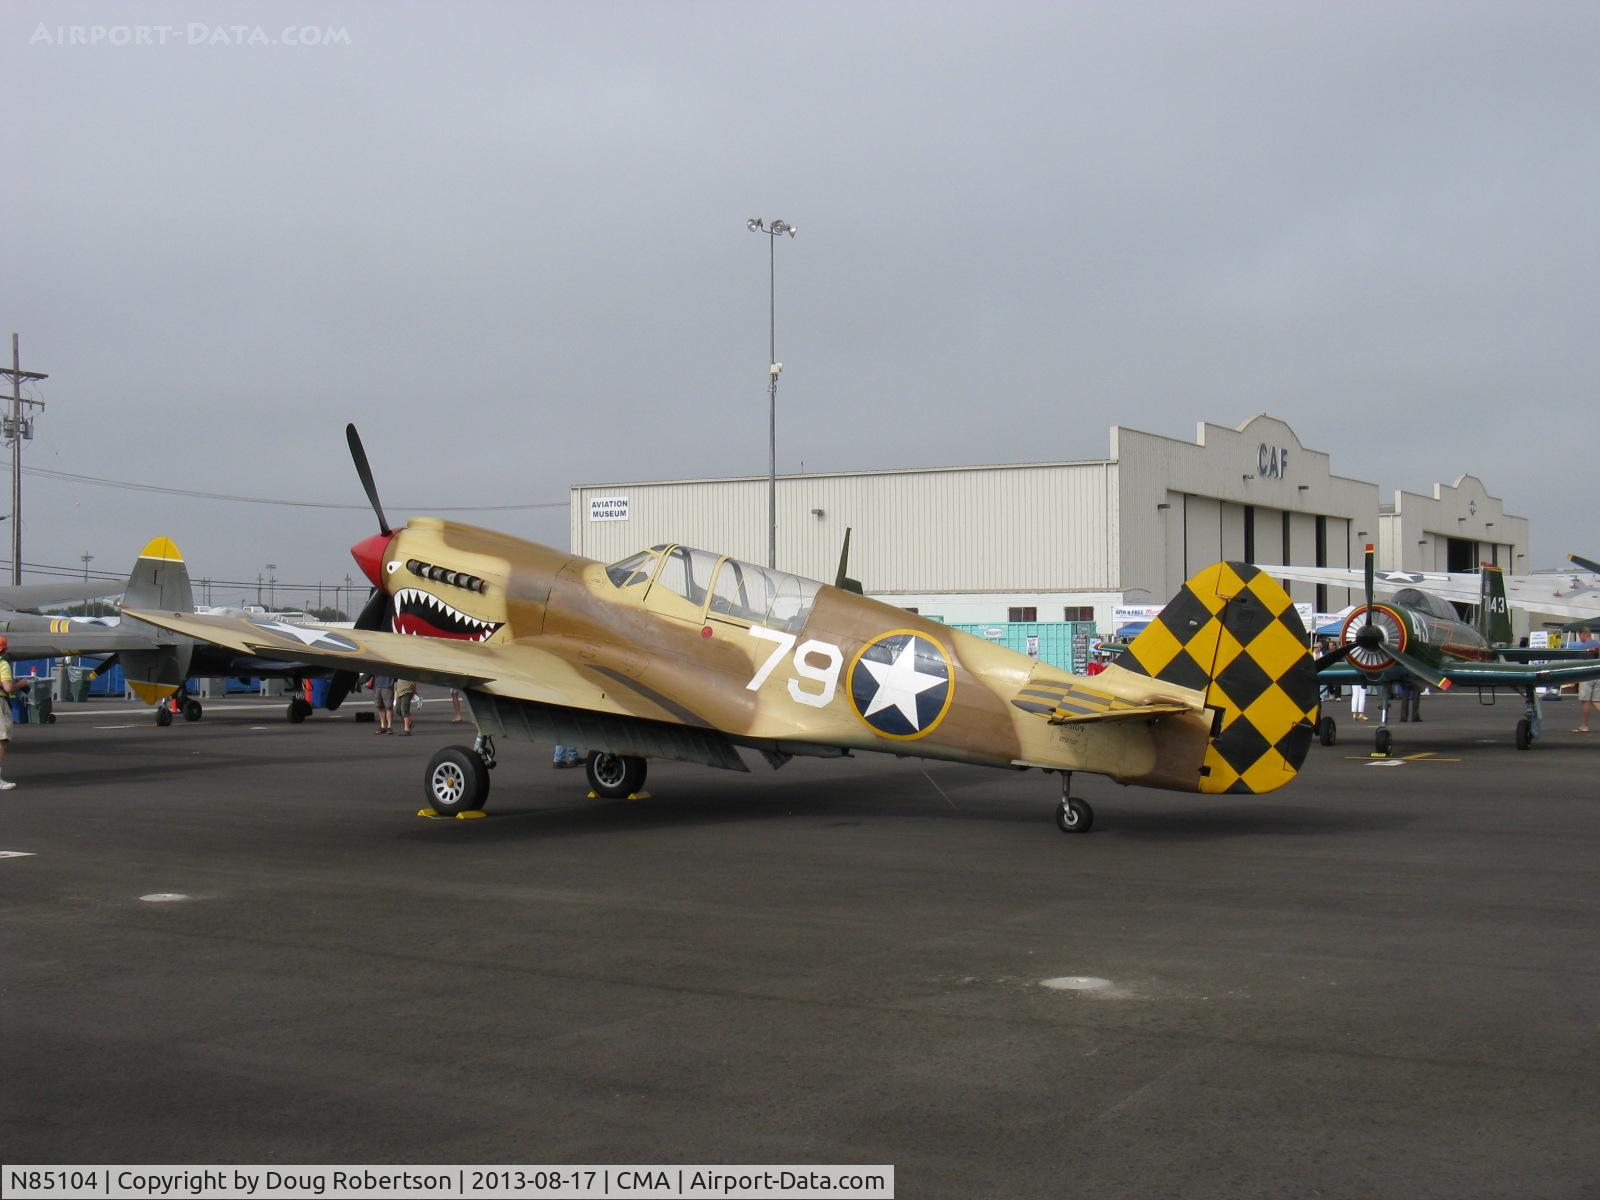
<point>1027,528</point>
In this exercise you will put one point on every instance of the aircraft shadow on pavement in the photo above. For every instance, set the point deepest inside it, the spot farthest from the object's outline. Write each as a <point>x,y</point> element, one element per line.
<point>862,802</point>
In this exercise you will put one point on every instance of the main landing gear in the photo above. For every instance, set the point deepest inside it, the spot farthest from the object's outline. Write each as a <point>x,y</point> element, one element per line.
<point>1531,725</point>
<point>457,779</point>
<point>1072,814</point>
<point>615,776</point>
<point>175,705</point>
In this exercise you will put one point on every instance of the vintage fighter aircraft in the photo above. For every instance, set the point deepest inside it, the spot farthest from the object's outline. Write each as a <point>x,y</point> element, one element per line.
<point>148,655</point>
<point>684,654</point>
<point>1417,637</point>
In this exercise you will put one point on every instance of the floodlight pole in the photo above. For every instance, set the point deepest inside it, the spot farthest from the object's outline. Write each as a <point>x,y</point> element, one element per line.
<point>774,229</point>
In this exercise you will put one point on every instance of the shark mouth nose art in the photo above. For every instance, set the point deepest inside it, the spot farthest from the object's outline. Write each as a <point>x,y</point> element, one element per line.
<point>422,614</point>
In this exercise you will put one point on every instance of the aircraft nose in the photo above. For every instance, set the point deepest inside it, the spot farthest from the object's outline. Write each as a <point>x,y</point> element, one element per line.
<point>369,554</point>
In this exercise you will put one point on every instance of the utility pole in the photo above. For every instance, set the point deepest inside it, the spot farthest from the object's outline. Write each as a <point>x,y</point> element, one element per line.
<point>773,229</point>
<point>16,429</point>
<point>87,559</point>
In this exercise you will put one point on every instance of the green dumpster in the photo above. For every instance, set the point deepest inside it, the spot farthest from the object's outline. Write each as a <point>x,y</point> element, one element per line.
<point>41,704</point>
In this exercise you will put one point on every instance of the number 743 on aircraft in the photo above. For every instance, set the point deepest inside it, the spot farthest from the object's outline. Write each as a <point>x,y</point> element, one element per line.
<point>684,654</point>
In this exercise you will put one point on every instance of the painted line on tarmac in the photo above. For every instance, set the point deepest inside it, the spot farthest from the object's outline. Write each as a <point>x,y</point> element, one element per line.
<point>16,853</point>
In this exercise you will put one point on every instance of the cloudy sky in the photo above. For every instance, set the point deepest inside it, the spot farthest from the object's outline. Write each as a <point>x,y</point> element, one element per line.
<point>508,241</point>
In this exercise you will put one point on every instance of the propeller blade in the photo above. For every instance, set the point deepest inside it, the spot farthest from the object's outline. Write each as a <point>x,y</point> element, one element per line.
<point>1334,656</point>
<point>373,617</point>
<point>1588,564</point>
<point>1421,670</point>
<point>359,456</point>
<point>1369,570</point>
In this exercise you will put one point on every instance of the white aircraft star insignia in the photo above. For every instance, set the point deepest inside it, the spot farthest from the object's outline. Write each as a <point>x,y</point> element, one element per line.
<point>900,683</point>
<point>306,637</point>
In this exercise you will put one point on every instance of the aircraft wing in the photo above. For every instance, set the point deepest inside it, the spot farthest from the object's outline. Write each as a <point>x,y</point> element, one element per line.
<point>1557,595</point>
<point>1483,674</point>
<point>70,643</point>
<point>533,670</point>
<point>21,596</point>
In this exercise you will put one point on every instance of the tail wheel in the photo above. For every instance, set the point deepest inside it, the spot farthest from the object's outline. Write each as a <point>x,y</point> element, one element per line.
<point>1074,816</point>
<point>615,776</point>
<point>163,715</point>
<point>457,781</point>
<point>1524,734</point>
<point>1328,731</point>
<point>1382,740</point>
<point>192,710</point>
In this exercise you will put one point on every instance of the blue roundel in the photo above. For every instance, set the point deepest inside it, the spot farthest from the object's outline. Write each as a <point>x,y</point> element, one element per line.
<point>900,684</point>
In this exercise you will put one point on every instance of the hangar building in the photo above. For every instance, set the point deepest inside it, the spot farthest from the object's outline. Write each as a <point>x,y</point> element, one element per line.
<point>1065,541</point>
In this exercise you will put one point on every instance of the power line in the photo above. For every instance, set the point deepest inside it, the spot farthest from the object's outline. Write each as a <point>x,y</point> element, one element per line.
<point>129,485</point>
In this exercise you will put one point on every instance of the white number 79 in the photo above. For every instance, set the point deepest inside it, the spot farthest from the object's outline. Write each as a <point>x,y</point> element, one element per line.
<point>826,676</point>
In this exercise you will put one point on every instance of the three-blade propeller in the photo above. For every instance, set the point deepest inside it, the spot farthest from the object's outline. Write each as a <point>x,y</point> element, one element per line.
<point>376,614</point>
<point>1371,637</point>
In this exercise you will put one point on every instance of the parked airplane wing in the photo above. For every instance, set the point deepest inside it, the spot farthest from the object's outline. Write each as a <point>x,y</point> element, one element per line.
<point>533,670</point>
<point>1557,595</point>
<point>70,642</point>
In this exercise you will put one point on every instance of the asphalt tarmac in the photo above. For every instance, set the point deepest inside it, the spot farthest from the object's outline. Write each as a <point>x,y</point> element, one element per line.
<point>1382,981</point>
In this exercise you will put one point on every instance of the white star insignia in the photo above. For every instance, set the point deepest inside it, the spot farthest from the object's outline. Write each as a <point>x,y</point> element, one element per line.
<point>306,637</point>
<point>900,683</point>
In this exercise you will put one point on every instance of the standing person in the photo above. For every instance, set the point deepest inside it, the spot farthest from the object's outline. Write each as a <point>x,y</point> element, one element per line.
<point>405,696</point>
<point>1589,689</point>
<point>1358,702</point>
<point>567,756</point>
<point>383,701</point>
<point>455,703</point>
<point>9,687</point>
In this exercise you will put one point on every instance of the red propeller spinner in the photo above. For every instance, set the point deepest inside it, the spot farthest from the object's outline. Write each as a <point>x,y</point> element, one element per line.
<point>369,554</point>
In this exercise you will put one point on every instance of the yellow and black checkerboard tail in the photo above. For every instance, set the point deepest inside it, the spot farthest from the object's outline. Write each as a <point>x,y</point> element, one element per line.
<point>1234,634</point>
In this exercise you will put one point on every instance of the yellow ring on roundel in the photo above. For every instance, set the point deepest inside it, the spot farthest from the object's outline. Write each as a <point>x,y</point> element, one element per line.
<point>949,692</point>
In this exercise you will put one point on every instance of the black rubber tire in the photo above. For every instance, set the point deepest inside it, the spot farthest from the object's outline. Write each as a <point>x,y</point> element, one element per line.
<point>192,710</point>
<point>1075,816</point>
<point>615,776</point>
<point>1328,731</point>
<point>456,781</point>
<point>50,720</point>
<point>299,710</point>
<point>1382,740</point>
<point>1524,734</point>
<point>163,714</point>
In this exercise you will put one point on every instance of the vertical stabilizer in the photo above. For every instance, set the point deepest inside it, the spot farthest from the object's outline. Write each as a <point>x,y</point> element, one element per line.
<point>1234,634</point>
<point>1494,614</point>
<point>159,581</point>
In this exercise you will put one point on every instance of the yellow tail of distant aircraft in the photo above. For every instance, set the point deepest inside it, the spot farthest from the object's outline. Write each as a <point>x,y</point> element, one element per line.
<point>686,654</point>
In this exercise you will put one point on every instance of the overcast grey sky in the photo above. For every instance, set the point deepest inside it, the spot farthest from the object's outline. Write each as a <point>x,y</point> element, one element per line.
<point>508,241</point>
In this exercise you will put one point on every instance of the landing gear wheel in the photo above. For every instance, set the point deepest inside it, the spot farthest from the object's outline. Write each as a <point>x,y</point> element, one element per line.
<point>163,715</point>
<point>1328,731</point>
<point>1074,816</point>
<point>457,781</point>
<point>299,710</point>
<point>1524,734</point>
<point>1382,741</point>
<point>615,776</point>
<point>192,710</point>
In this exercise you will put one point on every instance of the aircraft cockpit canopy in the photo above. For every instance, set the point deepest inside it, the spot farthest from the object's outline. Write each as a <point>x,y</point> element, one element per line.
<point>1423,602</point>
<point>739,590</point>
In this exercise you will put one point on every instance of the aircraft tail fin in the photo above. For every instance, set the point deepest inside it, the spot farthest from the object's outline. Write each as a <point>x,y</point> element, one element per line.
<point>159,581</point>
<point>1233,633</point>
<point>1494,614</point>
